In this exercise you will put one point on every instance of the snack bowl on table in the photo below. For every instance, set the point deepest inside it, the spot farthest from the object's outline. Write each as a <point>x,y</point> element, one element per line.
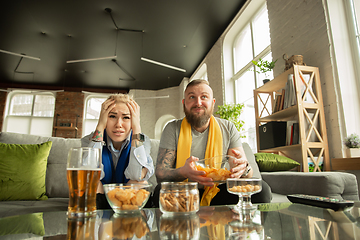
<point>244,188</point>
<point>217,168</point>
<point>179,198</point>
<point>127,198</point>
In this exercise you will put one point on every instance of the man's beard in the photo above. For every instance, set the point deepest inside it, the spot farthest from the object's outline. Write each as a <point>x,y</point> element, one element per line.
<point>198,121</point>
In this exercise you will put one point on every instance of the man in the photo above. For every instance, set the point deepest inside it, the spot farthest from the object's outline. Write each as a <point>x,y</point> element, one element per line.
<point>200,135</point>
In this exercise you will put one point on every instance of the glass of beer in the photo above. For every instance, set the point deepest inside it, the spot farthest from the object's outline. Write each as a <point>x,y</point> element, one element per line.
<point>81,228</point>
<point>83,176</point>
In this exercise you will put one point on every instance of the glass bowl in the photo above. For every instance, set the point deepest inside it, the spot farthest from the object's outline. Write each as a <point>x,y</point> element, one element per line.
<point>244,188</point>
<point>124,226</point>
<point>179,226</point>
<point>217,168</point>
<point>179,198</point>
<point>127,198</point>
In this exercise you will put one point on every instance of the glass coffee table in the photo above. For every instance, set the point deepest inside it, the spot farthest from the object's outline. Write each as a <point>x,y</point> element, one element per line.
<point>266,221</point>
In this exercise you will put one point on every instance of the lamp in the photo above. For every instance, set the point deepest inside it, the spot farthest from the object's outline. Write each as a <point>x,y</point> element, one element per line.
<point>90,59</point>
<point>20,55</point>
<point>157,97</point>
<point>162,64</point>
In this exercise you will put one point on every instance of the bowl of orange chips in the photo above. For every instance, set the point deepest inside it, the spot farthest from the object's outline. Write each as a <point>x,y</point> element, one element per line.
<point>127,198</point>
<point>217,168</point>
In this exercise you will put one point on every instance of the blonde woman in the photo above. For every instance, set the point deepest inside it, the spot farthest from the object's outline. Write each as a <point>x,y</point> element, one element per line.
<point>125,150</point>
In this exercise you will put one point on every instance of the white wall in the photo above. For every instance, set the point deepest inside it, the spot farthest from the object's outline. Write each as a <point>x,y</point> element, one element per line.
<point>153,107</point>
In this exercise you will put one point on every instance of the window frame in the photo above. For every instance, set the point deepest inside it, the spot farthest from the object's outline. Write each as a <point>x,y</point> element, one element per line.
<point>85,119</point>
<point>30,117</point>
<point>249,66</point>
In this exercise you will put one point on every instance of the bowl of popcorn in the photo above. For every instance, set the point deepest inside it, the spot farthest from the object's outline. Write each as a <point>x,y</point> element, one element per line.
<point>217,168</point>
<point>127,198</point>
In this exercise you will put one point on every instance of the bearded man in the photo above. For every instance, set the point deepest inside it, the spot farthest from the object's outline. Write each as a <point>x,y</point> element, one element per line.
<point>201,135</point>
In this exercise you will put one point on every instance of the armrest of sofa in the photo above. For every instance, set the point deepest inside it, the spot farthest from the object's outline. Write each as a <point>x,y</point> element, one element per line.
<point>338,185</point>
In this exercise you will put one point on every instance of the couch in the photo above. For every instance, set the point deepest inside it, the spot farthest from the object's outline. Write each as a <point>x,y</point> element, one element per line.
<point>333,184</point>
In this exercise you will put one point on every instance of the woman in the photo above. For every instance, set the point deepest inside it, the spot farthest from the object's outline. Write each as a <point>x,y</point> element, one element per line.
<point>125,150</point>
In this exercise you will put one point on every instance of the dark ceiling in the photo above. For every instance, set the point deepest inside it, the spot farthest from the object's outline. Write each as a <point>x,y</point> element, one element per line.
<point>175,32</point>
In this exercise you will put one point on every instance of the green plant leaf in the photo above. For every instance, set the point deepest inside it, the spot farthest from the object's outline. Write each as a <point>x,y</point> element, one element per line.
<point>264,66</point>
<point>352,141</point>
<point>232,113</point>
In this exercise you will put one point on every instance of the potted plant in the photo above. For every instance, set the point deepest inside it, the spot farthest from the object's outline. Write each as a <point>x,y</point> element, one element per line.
<point>232,113</point>
<point>264,66</point>
<point>352,143</point>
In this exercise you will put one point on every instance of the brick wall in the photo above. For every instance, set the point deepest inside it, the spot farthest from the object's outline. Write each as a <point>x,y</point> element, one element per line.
<point>300,27</point>
<point>69,108</point>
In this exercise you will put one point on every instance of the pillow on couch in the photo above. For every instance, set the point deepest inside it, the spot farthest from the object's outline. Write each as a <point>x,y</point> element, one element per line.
<point>270,162</point>
<point>23,171</point>
<point>26,225</point>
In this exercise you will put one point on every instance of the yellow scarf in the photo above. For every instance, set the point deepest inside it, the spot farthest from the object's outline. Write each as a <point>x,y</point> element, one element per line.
<point>213,148</point>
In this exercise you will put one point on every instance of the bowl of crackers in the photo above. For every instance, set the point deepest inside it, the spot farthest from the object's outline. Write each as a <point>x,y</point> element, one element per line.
<point>179,198</point>
<point>217,168</point>
<point>127,198</point>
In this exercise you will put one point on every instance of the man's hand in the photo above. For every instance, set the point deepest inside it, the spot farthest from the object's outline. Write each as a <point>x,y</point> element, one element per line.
<point>166,169</point>
<point>189,171</point>
<point>239,163</point>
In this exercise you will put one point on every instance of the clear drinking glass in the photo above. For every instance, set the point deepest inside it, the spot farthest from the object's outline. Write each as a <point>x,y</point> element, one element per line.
<point>81,228</point>
<point>244,188</point>
<point>247,227</point>
<point>83,176</point>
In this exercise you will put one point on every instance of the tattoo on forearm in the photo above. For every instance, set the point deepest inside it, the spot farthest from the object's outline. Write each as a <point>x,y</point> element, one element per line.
<point>166,166</point>
<point>98,135</point>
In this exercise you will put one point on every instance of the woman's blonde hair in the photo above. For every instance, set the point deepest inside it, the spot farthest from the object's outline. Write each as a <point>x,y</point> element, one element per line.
<point>120,97</point>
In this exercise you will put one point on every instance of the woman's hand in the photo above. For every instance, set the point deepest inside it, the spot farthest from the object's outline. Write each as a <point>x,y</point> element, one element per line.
<point>135,182</point>
<point>106,107</point>
<point>135,116</point>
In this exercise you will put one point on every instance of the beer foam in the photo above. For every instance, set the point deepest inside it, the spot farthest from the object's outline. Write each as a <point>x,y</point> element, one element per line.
<point>84,168</point>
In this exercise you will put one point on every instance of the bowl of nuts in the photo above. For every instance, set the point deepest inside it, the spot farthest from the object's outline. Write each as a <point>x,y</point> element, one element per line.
<point>127,198</point>
<point>217,168</point>
<point>244,188</point>
<point>179,198</point>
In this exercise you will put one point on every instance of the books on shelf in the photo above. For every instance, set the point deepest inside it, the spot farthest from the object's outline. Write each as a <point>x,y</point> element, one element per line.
<point>292,133</point>
<point>290,94</point>
<point>279,101</point>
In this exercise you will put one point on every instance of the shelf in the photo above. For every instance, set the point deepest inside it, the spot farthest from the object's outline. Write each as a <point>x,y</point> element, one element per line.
<point>67,128</point>
<point>283,148</point>
<point>283,115</point>
<point>309,115</point>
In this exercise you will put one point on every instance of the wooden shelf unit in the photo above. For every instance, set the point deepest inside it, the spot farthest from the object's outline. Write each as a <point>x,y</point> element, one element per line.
<point>66,129</point>
<point>313,141</point>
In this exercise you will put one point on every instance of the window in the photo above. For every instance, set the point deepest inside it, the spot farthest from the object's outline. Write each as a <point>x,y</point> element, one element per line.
<point>355,8</point>
<point>30,113</point>
<point>201,73</point>
<point>92,113</point>
<point>251,43</point>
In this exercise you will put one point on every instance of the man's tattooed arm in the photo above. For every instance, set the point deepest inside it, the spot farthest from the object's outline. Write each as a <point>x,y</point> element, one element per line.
<point>166,166</point>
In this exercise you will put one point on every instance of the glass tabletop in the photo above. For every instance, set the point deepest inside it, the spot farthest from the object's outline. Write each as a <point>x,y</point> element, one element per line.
<point>266,221</point>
